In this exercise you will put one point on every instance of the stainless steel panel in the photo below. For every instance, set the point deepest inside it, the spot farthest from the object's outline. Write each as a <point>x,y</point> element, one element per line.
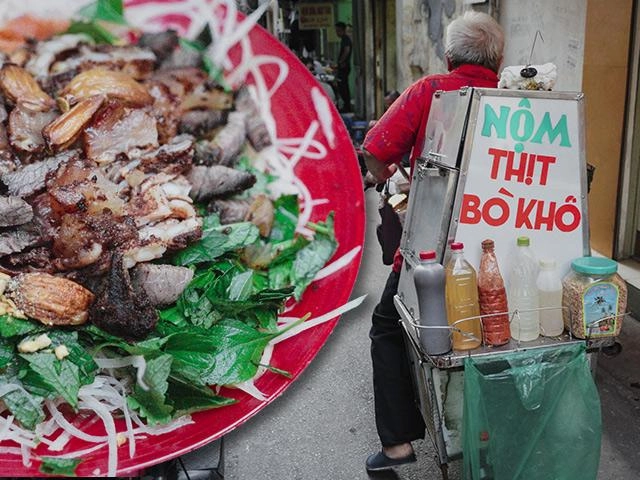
<point>446,126</point>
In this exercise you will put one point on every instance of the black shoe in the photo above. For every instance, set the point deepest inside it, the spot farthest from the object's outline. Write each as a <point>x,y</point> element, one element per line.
<point>379,461</point>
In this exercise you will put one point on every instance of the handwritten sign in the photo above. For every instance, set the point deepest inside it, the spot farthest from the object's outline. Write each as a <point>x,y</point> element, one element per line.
<point>525,176</point>
<point>315,15</point>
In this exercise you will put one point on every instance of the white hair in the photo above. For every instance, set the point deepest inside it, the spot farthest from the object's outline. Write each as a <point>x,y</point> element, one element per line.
<point>475,38</point>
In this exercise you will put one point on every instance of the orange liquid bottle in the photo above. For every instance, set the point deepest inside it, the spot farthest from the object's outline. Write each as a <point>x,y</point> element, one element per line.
<point>462,300</point>
<point>493,298</point>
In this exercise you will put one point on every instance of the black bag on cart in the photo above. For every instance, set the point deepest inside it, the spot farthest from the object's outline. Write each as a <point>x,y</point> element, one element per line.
<point>389,231</point>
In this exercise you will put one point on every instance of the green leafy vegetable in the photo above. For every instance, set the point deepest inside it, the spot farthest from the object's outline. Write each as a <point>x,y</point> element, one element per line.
<point>59,466</point>
<point>111,11</point>
<point>78,355</point>
<point>239,350</point>
<point>151,402</point>
<point>12,326</point>
<point>7,352</point>
<point>46,372</point>
<point>98,33</point>
<point>313,257</point>
<point>25,407</point>
<point>216,241</point>
<point>193,355</point>
<point>188,398</point>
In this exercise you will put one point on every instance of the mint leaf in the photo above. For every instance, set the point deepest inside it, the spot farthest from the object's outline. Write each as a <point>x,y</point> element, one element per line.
<point>310,260</point>
<point>25,407</point>
<point>58,376</point>
<point>239,350</point>
<point>193,356</point>
<point>98,33</point>
<point>104,10</point>
<point>151,403</point>
<point>241,286</point>
<point>87,367</point>
<point>7,352</point>
<point>216,241</point>
<point>59,466</point>
<point>13,326</point>
<point>285,221</point>
<point>189,398</point>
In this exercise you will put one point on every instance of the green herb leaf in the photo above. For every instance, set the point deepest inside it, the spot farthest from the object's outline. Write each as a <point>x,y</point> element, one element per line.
<point>25,407</point>
<point>313,257</point>
<point>111,11</point>
<point>189,398</point>
<point>12,326</point>
<point>78,355</point>
<point>216,241</point>
<point>7,352</point>
<point>241,286</point>
<point>98,33</point>
<point>239,350</point>
<point>58,376</point>
<point>287,210</point>
<point>193,356</point>
<point>151,403</point>
<point>59,466</point>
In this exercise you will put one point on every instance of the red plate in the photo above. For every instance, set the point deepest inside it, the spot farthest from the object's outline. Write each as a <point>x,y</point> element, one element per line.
<point>330,183</point>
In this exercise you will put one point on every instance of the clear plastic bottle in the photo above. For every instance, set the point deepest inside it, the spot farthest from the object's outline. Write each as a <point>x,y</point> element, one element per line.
<point>493,298</point>
<point>523,293</point>
<point>462,299</point>
<point>429,279</point>
<point>549,285</point>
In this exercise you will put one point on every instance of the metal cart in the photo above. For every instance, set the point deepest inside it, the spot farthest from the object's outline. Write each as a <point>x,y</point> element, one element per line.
<point>466,174</point>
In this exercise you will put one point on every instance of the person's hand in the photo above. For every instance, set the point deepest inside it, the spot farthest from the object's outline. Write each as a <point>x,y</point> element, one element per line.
<point>369,181</point>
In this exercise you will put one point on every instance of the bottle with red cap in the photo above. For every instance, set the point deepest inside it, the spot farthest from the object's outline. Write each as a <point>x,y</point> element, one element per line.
<point>429,278</point>
<point>493,298</point>
<point>463,309</point>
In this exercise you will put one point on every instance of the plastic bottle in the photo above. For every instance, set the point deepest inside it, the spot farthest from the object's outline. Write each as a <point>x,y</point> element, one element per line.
<point>429,279</point>
<point>549,285</point>
<point>493,298</point>
<point>462,299</point>
<point>523,293</point>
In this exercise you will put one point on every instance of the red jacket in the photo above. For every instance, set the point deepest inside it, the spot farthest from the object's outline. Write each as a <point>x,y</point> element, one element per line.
<point>402,128</point>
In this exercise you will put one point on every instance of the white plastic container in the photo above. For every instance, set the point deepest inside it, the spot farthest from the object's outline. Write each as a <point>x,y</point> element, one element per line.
<point>549,285</point>
<point>523,293</point>
<point>429,278</point>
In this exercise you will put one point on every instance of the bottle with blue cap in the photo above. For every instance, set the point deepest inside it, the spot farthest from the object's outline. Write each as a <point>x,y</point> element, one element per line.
<point>594,298</point>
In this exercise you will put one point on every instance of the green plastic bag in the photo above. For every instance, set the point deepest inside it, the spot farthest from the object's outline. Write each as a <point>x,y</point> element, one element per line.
<point>531,415</point>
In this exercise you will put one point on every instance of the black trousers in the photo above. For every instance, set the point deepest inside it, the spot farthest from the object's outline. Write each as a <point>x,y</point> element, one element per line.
<point>398,418</point>
<point>342,76</point>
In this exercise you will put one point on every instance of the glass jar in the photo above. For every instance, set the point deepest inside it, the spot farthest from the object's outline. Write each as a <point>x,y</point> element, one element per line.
<point>594,298</point>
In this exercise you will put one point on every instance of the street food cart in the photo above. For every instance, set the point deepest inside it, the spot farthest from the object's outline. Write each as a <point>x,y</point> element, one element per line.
<point>496,164</point>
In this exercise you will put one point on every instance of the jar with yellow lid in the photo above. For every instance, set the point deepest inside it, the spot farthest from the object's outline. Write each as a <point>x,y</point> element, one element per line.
<point>594,298</point>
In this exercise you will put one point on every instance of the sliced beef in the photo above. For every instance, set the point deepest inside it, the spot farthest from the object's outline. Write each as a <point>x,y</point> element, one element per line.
<point>30,179</point>
<point>163,284</point>
<point>119,309</point>
<point>162,44</point>
<point>218,181</point>
<point>200,122</point>
<point>14,211</point>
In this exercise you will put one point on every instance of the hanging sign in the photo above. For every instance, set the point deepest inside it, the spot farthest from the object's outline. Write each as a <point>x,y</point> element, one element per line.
<point>526,176</point>
<point>313,16</point>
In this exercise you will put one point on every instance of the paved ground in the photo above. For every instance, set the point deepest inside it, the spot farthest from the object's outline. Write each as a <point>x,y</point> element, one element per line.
<point>322,427</point>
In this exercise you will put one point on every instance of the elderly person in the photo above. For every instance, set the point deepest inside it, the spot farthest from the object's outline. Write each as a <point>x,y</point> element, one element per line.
<point>473,52</point>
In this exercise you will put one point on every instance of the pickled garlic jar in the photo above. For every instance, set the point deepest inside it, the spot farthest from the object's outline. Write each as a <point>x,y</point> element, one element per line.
<point>594,298</point>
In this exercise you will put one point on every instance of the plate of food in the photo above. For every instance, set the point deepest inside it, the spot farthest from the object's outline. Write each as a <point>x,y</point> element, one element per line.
<point>182,227</point>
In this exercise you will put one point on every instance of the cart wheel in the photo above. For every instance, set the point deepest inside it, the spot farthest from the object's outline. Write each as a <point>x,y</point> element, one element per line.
<point>612,350</point>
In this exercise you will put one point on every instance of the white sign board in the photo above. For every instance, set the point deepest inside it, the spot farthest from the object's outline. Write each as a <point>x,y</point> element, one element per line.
<point>525,176</point>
